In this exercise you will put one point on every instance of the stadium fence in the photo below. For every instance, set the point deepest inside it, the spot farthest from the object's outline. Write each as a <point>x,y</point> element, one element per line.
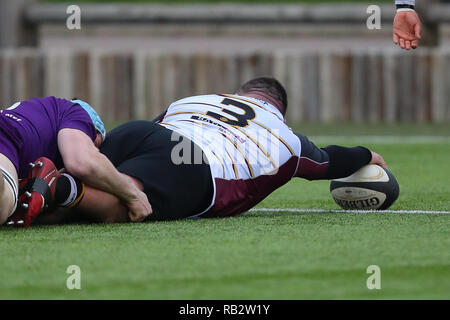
<point>323,86</point>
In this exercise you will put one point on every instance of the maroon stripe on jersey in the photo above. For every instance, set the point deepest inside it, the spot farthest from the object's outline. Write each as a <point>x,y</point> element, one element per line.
<point>237,196</point>
<point>311,170</point>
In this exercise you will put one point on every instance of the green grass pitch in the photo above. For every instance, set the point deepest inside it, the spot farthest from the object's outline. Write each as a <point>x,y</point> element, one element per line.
<point>282,255</point>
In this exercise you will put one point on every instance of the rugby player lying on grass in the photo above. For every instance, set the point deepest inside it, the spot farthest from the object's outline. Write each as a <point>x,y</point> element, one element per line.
<point>68,133</point>
<point>214,156</point>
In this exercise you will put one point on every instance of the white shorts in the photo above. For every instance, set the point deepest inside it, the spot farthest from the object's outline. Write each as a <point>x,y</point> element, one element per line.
<point>12,184</point>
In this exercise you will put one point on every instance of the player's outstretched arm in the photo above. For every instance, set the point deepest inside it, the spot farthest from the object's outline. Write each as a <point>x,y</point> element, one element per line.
<point>99,206</point>
<point>83,160</point>
<point>96,206</point>
<point>407,25</point>
<point>333,162</point>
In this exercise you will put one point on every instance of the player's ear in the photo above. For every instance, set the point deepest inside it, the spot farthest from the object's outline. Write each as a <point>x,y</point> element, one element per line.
<point>98,140</point>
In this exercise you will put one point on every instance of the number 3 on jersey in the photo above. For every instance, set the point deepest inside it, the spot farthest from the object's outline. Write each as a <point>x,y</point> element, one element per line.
<point>242,119</point>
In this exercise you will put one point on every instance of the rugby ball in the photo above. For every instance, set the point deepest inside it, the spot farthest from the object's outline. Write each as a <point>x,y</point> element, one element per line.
<point>370,188</point>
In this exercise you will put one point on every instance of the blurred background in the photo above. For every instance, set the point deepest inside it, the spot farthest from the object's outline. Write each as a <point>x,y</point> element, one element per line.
<point>131,60</point>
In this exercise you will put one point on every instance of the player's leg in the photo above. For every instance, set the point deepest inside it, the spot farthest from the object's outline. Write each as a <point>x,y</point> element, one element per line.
<point>88,205</point>
<point>8,188</point>
<point>68,199</point>
<point>99,206</point>
<point>96,206</point>
<point>175,191</point>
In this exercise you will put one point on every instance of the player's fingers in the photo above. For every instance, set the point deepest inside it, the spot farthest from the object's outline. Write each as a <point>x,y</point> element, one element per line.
<point>383,163</point>
<point>414,44</point>
<point>148,210</point>
<point>418,30</point>
<point>377,159</point>
<point>140,211</point>
<point>136,216</point>
<point>408,45</point>
<point>395,38</point>
<point>147,207</point>
<point>402,43</point>
<point>131,216</point>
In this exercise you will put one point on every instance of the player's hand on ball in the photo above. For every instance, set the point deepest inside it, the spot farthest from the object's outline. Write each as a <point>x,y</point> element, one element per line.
<point>407,29</point>
<point>377,159</point>
<point>139,207</point>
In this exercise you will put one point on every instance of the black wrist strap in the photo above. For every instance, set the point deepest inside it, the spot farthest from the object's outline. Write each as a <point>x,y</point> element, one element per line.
<point>405,6</point>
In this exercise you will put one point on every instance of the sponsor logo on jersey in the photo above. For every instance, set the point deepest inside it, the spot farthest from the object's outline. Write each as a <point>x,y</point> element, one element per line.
<point>221,127</point>
<point>12,116</point>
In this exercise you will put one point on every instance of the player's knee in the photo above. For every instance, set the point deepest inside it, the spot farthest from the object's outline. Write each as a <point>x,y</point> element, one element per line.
<point>3,203</point>
<point>3,217</point>
<point>6,208</point>
<point>6,202</point>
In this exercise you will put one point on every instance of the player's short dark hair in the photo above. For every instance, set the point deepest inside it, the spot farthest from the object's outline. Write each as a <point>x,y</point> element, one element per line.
<point>268,85</point>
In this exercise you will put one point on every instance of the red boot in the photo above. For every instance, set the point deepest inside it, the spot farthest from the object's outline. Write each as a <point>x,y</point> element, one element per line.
<point>36,192</point>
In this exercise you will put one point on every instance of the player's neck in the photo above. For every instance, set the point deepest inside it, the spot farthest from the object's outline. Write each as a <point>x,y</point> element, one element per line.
<point>260,95</point>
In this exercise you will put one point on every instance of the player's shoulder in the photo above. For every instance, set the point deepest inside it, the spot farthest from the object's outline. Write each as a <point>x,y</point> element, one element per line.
<point>37,100</point>
<point>33,104</point>
<point>47,101</point>
<point>198,99</point>
<point>261,105</point>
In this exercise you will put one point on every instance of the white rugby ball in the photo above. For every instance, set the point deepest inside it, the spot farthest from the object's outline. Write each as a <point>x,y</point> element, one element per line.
<point>370,188</point>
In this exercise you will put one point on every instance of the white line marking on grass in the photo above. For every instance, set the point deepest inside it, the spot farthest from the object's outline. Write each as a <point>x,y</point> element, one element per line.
<point>383,139</point>
<point>347,211</point>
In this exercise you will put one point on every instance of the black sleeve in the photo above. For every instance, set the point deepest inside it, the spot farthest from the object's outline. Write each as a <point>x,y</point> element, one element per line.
<point>332,162</point>
<point>346,161</point>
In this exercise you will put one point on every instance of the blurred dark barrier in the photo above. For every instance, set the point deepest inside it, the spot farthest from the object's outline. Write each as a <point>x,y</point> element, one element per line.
<point>20,19</point>
<point>212,13</point>
<point>326,86</point>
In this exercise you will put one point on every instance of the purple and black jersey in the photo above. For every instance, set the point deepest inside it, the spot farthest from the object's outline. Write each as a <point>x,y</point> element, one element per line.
<point>29,130</point>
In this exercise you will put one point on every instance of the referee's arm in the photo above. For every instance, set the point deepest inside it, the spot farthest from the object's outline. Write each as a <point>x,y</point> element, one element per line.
<point>411,3</point>
<point>332,162</point>
<point>407,25</point>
